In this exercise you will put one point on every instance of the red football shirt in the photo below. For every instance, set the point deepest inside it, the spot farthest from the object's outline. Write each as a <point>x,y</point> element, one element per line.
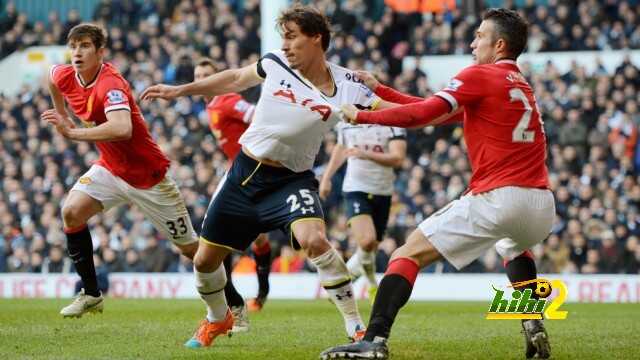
<point>503,129</point>
<point>138,161</point>
<point>229,117</point>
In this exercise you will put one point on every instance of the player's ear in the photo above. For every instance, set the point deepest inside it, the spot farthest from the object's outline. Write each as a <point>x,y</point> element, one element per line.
<point>102,52</point>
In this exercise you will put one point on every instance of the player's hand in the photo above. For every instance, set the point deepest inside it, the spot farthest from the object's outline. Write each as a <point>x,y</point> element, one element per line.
<point>324,189</point>
<point>356,152</point>
<point>349,113</point>
<point>52,117</point>
<point>369,80</point>
<point>161,91</point>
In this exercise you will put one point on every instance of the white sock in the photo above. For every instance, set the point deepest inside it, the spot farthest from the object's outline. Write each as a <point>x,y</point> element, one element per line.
<point>368,262</point>
<point>211,289</point>
<point>354,266</point>
<point>334,277</point>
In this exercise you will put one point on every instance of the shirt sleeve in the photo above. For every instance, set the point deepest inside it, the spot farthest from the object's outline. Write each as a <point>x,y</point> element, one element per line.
<point>243,110</point>
<point>398,133</point>
<point>114,95</point>
<point>366,99</point>
<point>465,88</point>
<point>54,74</point>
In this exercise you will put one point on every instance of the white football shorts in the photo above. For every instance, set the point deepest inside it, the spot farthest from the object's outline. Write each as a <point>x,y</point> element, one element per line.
<point>162,204</point>
<point>512,218</point>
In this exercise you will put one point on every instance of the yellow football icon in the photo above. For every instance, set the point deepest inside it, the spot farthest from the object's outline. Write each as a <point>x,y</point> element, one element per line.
<point>543,289</point>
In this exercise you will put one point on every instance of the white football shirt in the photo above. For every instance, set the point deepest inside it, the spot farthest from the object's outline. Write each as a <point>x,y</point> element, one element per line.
<point>366,175</point>
<point>292,116</point>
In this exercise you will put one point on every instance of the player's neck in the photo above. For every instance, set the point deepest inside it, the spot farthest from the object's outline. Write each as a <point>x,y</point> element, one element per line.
<point>317,71</point>
<point>89,75</point>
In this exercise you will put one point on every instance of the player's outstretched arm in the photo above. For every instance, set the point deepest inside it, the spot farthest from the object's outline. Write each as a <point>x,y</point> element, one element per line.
<point>338,157</point>
<point>384,92</point>
<point>394,158</point>
<point>232,80</point>
<point>430,112</point>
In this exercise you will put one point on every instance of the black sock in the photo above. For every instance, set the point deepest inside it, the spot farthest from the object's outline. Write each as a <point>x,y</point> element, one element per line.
<point>263,269</point>
<point>523,268</point>
<point>80,250</point>
<point>393,293</point>
<point>230,292</point>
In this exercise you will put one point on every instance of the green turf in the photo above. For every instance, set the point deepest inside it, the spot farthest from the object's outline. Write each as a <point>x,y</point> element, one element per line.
<point>156,329</point>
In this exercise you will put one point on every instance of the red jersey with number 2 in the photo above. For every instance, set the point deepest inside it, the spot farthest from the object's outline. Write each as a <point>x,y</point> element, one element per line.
<point>503,129</point>
<point>138,160</point>
<point>229,117</point>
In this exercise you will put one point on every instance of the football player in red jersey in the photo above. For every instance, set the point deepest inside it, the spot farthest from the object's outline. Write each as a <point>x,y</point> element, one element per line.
<point>229,116</point>
<point>131,168</point>
<point>508,204</point>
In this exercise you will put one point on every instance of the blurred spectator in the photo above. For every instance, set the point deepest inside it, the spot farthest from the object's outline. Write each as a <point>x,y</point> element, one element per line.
<point>56,261</point>
<point>132,262</point>
<point>289,261</point>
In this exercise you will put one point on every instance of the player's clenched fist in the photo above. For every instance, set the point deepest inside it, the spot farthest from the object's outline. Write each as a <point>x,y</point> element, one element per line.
<point>368,79</point>
<point>349,113</point>
<point>161,91</point>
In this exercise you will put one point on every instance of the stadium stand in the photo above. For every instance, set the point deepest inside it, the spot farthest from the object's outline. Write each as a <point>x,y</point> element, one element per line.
<point>591,120</point>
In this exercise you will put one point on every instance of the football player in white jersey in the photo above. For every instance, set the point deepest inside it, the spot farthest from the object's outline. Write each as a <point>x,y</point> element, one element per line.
<point>270,184</point>
<point>372,152</point>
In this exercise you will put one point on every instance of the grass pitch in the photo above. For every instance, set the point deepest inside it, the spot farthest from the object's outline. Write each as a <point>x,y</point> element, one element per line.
<point>156,329</point>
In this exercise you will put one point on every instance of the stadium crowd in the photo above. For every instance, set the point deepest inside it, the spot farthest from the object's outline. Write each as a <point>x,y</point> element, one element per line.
<point>591,120</point>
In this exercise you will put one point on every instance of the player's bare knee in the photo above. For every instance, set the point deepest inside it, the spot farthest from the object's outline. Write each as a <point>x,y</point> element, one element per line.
<point>368,243</point>
<point>419,249</point>
<point>316,244</point>
<point>189,250</point>
<point>72,216</point>
<point>203,263</point>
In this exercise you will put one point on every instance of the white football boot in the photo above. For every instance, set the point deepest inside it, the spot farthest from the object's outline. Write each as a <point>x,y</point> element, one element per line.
<point>240,318</point>
<point>83,304</point>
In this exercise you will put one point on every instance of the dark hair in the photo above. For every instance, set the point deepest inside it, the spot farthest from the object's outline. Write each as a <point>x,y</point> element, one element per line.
<point>310,20</point>
<point>511,27</point>
<point>207,62</point>
<point>94,32</point>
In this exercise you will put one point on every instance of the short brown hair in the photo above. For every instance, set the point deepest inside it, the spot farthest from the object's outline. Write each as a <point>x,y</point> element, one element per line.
<point>207,62</point>
<point>94,32</point>
<point>511,27</point>
<point>310,20</point>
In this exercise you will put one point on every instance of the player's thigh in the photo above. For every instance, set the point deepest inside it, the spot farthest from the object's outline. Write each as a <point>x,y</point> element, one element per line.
<point>419,248</point>
<point>78,208</point>
<point>95,191</point>
<point>296,201</point>
<point>461,231</point>
<point>231,220</point>
<point>529,215</point>
<point>362,230</point>
<point>164,206</point>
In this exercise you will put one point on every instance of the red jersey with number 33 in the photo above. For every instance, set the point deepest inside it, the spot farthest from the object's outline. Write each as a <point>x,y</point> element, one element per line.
<point>229,117</point>
<point>503,130</point>
<point>138,160</point>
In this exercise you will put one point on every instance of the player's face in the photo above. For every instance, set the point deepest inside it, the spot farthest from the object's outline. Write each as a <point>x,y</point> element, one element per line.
<point>84,55</point>
<point>202,72</point>
<point>483,47</point>
<point>298,47</point>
